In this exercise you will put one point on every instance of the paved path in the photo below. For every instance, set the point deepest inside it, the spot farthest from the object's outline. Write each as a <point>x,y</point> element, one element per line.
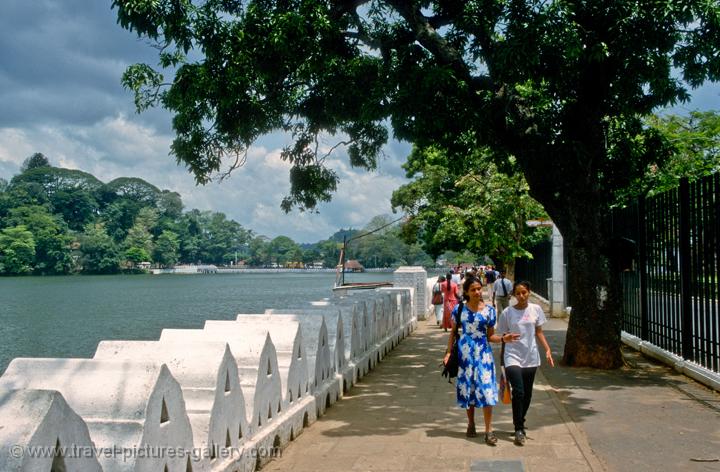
<point>403,417</point>
<point>644,417</point>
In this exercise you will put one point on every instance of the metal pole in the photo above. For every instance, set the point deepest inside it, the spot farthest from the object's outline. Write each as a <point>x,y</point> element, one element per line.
<point>642,270</point>
<point>344,256</point>
<point>685,271</point>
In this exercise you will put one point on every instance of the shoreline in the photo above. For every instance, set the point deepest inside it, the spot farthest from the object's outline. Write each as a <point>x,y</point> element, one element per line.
<point>258,270</point>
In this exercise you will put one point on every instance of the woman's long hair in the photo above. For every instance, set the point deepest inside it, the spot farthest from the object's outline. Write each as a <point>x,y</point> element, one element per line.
<point>449,281</point>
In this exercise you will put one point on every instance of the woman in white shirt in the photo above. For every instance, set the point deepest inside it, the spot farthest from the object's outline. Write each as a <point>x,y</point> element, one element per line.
<point>523,322</point>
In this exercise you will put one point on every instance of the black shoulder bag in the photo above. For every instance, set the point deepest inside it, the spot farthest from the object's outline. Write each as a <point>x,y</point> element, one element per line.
<point>450,369</point>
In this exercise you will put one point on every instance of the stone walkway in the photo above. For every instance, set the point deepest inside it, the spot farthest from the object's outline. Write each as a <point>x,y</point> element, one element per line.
<point>403,417</point>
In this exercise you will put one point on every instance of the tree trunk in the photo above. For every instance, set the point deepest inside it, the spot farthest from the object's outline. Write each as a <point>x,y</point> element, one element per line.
<point>576,204</point>
<point>510,269</point>
<point>567,182</point>
<point>593,335</point>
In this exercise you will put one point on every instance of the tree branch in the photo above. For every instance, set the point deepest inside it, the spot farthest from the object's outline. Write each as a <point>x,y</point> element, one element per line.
<point>426,35</point>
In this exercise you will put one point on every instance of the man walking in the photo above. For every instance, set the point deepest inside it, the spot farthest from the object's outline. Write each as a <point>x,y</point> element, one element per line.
<point>490,277</point>
<point>501,290</point>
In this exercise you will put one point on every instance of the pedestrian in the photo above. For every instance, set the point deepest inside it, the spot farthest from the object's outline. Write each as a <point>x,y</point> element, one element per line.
<point>476,385</point>
<point>523,321</point>
<point>490,278</point>
<point>437,299</point>
<point>450,300</point>
<point>456,275</point>
<point>502,288</point>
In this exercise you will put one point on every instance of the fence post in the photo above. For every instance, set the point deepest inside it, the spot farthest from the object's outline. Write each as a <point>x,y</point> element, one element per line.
<point>642,269</point>
<point>685,270</point>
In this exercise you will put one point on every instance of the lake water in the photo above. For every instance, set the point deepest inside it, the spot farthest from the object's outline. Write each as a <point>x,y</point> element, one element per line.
<point>68,316</point>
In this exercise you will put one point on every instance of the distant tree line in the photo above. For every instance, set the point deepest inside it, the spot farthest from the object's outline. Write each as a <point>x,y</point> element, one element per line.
<point>61,221</point>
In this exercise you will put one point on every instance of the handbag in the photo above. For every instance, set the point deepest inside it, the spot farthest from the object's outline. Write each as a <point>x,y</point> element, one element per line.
<point>504,391</point>
<point>451,367</point>
<point>437,298</point>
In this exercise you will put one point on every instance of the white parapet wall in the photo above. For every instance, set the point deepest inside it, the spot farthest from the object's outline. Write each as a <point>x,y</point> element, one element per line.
<point>317,343</point>
<point>208,375</point>
<point>352,327</point>
<point>179,404</point>
<point>289,347</point>
<point>355,322</point>
<point>257,365</point>
<point>415,278</point>
<point>402,298</point>
<point>365,309</point>
<point>378,308</point>
<point>128,407</point>
<point>292,353</point>
<point>41,433</point>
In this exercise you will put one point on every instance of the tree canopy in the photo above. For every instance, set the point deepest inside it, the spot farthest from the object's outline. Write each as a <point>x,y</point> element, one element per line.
<point>560,86</point>
<point>59,221</point>
<point>479,209</point>
<point>695,139</point>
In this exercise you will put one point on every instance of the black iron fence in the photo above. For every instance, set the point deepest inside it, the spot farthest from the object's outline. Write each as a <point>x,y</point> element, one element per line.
<point>537,270</point>
<point>671,290</point>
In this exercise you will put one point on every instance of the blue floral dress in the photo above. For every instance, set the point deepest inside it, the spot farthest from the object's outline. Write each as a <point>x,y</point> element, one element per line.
<point>476,384</point>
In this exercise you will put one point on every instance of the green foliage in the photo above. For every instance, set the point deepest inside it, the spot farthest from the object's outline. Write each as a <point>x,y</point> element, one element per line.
<point>36,160</point>
<point>136,255</point>
<point>17,250</point>
<point>259,252</point>
<point>71,221</point>
<point>51,239</point>
<point>695,141</point>
<point>284,250</point>
<point>100,254</point>
<point>136,189</point>
<point>379,244</point>
<point>166,248</point>
<point>59,206</point>
<point>478,209</point>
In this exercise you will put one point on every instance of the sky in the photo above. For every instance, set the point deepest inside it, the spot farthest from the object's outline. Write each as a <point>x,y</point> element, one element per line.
<point>60,94</point>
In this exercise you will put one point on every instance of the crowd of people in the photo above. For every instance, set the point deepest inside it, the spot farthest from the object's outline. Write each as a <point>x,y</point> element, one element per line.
<point>516,324</point>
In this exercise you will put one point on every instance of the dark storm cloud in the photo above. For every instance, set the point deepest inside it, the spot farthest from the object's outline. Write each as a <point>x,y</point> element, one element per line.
<point>61,62</point>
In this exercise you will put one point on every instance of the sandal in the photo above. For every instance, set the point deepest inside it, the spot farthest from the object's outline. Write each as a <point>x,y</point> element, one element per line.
<point>471,433</point>
<point>490,438</point>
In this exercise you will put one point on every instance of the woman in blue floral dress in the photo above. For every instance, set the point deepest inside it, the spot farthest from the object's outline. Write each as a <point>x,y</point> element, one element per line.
<point>476,385</point>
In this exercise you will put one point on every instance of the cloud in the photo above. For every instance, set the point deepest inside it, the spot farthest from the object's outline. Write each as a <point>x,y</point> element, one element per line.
<point>116,147</point>
<point>61,62</point>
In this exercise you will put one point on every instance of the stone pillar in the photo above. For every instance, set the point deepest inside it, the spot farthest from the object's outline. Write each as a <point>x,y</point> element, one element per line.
<point>557,289</point>
<point>414,277</point>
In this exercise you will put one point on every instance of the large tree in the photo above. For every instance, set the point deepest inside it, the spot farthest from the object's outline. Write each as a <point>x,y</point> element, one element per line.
<point>476,208</point>
<point>36,160</point>
<point>560,85</point>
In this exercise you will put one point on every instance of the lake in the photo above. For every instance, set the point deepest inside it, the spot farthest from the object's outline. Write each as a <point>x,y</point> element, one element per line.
<point>67,316</point>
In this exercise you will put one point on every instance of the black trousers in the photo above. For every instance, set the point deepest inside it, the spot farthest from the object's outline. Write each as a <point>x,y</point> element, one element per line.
<point>521,380</point>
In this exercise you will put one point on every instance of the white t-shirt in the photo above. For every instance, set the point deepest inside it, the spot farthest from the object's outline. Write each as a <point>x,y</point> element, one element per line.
<point>523,352</point>
<point>497,287</point>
